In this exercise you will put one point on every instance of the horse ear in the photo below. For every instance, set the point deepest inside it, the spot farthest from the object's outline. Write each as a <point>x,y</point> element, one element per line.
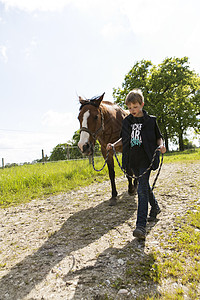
<point>98,101</point>
<point>81,100</point>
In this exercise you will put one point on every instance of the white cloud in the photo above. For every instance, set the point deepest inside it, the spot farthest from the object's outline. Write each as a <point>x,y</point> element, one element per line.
<point>146,16</point>
<point>104,7</point>
<point>31,47</point>
<point>112,30</point>
<point>3,53</point>
<point>150,17</point>
<point>33,5</point>
<point>58,121</point>
<point>26,146</point>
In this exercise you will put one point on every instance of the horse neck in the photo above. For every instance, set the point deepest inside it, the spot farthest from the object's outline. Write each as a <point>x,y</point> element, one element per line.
<point>107,114</point>
<point>112,124</point>
<point>112,115</point>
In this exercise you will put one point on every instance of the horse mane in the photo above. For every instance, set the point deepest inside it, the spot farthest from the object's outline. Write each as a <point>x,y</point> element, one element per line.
<point>115,106</point>
<point>108,103</point>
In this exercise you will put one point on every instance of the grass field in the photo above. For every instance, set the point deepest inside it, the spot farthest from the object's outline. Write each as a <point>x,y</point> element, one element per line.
<point>23,183</point>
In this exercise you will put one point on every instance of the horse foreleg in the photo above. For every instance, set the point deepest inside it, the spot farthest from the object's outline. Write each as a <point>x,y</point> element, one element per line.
<point>113,200</point>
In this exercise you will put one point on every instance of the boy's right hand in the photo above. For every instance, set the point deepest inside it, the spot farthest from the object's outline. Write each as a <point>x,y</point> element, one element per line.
<point>109,146</point>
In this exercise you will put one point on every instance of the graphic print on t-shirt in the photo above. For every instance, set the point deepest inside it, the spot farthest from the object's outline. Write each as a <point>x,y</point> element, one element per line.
<point>136,139</point>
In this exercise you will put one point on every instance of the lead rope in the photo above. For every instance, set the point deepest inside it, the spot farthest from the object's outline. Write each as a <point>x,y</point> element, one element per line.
<point>148,169</point>
<point>123,170</point>
<point>104,162</point>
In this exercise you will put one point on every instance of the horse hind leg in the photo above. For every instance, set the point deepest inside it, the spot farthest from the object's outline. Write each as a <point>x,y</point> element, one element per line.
<point>132,185</point>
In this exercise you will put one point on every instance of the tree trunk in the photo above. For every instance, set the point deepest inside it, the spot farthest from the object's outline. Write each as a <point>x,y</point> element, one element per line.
<point>166,140</point>
<point>166,143</point>
<point>180,141</point>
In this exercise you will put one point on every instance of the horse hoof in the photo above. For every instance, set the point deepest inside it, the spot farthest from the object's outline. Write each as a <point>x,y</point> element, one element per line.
<point>132,192</point>
<point>112,201</point>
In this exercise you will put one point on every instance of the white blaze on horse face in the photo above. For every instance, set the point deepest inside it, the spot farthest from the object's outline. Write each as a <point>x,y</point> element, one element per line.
<point>84,136</point>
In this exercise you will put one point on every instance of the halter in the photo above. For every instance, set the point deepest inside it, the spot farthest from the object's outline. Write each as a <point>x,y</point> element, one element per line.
<point>101,128</point>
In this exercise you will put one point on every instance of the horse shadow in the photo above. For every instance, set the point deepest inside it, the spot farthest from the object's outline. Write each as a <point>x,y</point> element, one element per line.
<point>76,233</point>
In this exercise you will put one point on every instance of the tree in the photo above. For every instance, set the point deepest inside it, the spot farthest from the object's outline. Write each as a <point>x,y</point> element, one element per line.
<point>70,149</point>
<point>75,152</point>
<point>60,152</point>
<point>171,92</point>
<point>175,96</point>
<point>138,77</point>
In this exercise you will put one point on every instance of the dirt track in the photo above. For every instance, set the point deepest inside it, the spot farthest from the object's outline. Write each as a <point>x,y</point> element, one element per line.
<point>74,246</point>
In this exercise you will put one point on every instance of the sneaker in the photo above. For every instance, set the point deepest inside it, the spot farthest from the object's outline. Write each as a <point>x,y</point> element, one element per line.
<point>153,214</point>
<point>139,233</point>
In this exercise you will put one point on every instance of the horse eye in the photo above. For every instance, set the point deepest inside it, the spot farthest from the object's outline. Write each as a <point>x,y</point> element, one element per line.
<point>96,117</point>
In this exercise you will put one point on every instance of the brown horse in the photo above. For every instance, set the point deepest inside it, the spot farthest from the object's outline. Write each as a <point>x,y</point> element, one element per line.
<point>102,121</point>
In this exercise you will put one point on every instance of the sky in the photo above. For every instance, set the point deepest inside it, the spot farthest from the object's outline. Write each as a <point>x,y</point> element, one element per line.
<point>52,51</point>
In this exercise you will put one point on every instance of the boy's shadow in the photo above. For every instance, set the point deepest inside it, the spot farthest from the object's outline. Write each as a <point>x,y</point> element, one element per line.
<point>76,233</point>
<point>115,269</point>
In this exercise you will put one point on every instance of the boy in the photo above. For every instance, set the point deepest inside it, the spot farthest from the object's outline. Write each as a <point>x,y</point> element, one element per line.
<point>140,136</point>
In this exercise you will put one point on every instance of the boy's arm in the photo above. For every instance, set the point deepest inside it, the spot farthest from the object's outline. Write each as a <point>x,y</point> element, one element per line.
<point>115,144</point>
<point>161,146</point>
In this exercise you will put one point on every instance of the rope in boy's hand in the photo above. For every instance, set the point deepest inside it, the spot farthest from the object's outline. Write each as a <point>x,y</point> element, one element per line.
<point>162,149</point>
<point>109,146</point>
<point>137,177</point>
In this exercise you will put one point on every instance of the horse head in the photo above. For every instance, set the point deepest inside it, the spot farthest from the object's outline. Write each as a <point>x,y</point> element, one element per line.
<point>91,123</point>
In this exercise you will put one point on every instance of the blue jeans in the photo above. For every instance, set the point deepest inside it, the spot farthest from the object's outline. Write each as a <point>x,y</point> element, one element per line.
<point>145,196</point>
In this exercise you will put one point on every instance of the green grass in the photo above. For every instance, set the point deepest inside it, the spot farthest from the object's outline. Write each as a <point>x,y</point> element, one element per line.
<point>22,183</point>
<point>187,155</point>
<point>178,262</point>
<point>182,265</point>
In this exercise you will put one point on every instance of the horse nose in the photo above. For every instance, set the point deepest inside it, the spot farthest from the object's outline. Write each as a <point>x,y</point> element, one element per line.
<point>85,148</point>
<point>80,145</point>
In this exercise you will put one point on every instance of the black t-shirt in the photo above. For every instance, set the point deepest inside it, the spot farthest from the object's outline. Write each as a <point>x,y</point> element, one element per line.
<point>138,156</point>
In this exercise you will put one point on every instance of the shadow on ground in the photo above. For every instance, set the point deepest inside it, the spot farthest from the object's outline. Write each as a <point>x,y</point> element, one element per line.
<point>75,234</point>
<point>116,269</point>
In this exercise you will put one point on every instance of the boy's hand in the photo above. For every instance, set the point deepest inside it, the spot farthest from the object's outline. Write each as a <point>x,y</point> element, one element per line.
<point>109,146</point>
<point>162,149</point>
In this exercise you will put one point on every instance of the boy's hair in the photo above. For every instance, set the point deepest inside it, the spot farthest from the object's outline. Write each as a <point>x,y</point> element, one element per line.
<point>134,96</point>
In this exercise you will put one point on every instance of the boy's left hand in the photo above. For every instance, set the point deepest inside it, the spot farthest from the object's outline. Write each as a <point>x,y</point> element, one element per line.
<point>162,149</point>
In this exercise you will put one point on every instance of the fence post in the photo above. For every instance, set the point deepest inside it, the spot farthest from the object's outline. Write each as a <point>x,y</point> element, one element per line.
<point>2,163</point>
<point>42,156</point>
<point>68,156</point>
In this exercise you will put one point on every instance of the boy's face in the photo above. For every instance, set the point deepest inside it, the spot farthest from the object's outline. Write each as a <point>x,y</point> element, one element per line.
<point>135,109</point>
